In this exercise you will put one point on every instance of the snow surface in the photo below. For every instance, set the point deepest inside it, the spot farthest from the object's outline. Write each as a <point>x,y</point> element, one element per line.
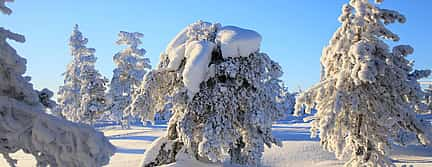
<point>298,149</point>
<point>238,42</point>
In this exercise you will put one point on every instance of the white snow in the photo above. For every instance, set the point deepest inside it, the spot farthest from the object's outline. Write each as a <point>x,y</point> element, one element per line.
<point>298,149</point>
<point>195,44</point>
<point>198,54</point>
<point>238,42</point>
<point>176,55</point>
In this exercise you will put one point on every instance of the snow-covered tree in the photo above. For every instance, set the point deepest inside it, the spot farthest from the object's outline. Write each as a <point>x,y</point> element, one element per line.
<point>25,126</point>
<point>127,77</point>
<point>69,99</point>
<point>224,95</point>
<point>82,97</point>
<point>290,99</point>
<point>367,94</point>
<point>92,92</point>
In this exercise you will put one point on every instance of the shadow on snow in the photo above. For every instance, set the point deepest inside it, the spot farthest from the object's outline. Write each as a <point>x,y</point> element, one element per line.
<point>129,151</point>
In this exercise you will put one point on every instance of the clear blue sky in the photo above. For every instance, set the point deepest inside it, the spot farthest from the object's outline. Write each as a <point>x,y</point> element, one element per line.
<point>294,32</point>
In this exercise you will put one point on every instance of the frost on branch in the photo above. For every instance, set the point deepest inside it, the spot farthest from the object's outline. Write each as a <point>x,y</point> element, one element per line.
<point>229,100</point>
<point>368,96</point>
<point>25,126</point>
<point>82,97</point>
<point>127,77</point>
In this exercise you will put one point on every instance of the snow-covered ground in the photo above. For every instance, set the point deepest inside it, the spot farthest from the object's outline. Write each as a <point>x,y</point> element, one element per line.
<point>298,149</point>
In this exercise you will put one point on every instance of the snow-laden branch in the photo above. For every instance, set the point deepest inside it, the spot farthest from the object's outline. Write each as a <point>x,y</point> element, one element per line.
<point>50,140</point>
<point>24,125</point>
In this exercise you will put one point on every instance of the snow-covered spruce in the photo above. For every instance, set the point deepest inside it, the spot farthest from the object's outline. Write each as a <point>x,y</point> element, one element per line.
<point>290,99</point>
<point>127,77</point>
<point>367,95</point>
<point>223,99</point>
<point>68,95</point>
<point>25,126</point>
<point>82,96</point>
<point>92,92</point>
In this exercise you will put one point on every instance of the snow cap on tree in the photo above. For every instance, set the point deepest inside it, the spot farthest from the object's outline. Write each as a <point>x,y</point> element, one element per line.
<point>230,95</point>
<point>25,126</point>
<point>367,94</point>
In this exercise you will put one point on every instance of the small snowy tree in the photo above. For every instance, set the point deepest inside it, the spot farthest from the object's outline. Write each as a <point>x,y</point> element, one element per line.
<point>224,95</point>
<point>69,99</point>
<point>82,97</point>
<point>127,77</point>
<point>92,92</point>
<point>290,99</point>
<point>367,95</point>
<point>25,126</point>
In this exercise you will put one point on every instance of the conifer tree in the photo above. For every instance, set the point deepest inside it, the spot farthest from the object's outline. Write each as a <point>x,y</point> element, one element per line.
<point>224,95</point>
<point>367,94</point>
<point>92,92</point>
<point>69,99</point>
<point>82,96</point>
<point>128,75</point>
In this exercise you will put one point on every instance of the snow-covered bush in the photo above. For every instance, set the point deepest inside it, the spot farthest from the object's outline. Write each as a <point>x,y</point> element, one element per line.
<point>367,94</point>
<point>127,77</point>
<point>25,126</point>
<point>45,96</point>
<point>82,97</point>
<point>224,95</point>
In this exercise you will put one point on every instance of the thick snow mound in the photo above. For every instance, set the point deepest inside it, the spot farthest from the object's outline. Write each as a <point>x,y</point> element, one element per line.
<point>198,54</point>
<point>238,42</point>
<point>196,42</point>
<point>176,55</point>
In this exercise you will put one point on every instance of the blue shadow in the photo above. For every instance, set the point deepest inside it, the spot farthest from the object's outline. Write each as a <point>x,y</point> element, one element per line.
<point>129,151</point>
<point>286,135</point>
<point>146,138</point>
